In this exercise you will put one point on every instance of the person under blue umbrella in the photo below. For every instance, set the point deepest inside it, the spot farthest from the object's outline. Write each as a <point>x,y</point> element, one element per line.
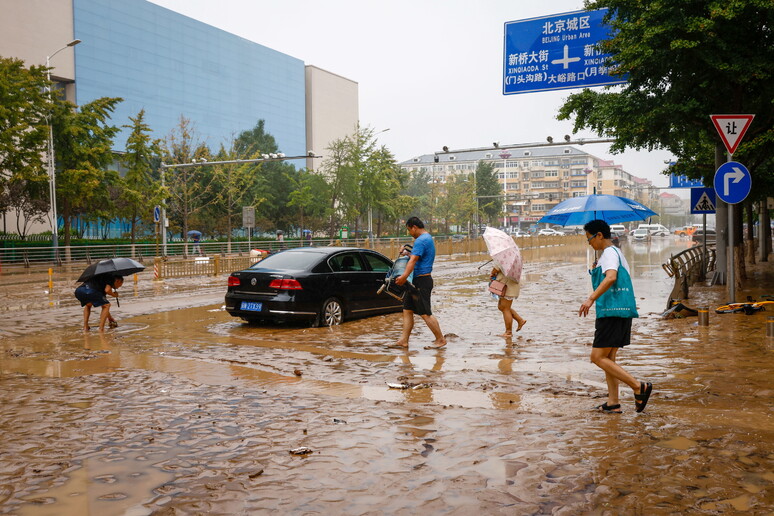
<point>615,309</point>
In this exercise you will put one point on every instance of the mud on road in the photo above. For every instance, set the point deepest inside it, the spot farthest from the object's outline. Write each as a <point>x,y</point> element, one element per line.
<point>185,410</point>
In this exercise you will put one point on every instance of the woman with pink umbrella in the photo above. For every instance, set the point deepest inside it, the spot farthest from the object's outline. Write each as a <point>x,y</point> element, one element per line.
<point>505,275</point>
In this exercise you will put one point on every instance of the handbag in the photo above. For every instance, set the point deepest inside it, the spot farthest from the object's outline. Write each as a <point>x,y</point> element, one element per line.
<point>618,300</point>
<point>497,287</point>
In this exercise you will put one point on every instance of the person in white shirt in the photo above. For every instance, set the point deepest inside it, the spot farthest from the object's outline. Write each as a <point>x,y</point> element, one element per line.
<point>612,331</point>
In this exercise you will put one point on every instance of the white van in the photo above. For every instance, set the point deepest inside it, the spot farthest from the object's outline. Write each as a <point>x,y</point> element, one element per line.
<point>655,229</point>
<point>618,228</point>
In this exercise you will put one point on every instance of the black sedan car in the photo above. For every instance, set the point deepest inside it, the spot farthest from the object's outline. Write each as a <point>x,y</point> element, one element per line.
<point>324,285</point>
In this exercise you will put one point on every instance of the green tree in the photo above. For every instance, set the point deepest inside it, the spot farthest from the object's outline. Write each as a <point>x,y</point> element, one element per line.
<point>362,175</point>
<point>271,184</point>
<point>419,185</point>
<point>236,189</point>
<point>189,187</point>
<point>28,200</point>
<point>140,191</point>
<point>489,192</point>
<point>685,61</point>
<point>83,140</point>
<point>24,108</point>
<point>342,181</point>
<point>310,197</point>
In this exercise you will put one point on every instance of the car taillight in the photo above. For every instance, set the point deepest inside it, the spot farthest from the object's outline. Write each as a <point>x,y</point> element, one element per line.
<point>286,284</point>
<point>233,281</point>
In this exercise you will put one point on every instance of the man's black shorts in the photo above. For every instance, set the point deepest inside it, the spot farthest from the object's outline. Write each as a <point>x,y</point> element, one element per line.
<point>612,332</point>
<point>419,301</point>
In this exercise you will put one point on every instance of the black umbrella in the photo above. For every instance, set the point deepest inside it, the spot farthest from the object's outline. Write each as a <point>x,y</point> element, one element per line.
<point>112,266</point>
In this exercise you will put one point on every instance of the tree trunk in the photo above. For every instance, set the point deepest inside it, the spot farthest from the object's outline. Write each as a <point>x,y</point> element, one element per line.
<point>750,243</point>
<point>67,221</point>
<point>738,252</point>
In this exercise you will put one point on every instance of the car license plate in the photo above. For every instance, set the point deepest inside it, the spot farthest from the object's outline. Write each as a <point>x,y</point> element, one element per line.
<point>252,306</point>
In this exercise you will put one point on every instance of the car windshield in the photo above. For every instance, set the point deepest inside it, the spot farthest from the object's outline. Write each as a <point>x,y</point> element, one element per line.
<point>289,260</point>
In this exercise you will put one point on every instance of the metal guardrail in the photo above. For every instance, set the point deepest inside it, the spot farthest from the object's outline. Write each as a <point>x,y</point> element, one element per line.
<point>186,260</point>
<point>687,267</point>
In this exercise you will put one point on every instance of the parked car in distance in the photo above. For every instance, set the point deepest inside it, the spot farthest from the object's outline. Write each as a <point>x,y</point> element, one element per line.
<point>655,229</point>
<point>615,237</point>
<point>521,233</point>
<point>698,236</point>
<point>549,232</point>
<point>618,228</point>
<point>322,285</point>
<point>640,235</point>
<point>685,230</point>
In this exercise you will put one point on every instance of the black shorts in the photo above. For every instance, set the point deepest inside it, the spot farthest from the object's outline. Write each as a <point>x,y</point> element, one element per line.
<point>612,332</point>
<point>419,301</point>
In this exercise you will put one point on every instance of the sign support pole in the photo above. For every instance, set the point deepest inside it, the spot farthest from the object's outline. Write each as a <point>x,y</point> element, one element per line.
<point>731,251</point>
<point>703,275</point>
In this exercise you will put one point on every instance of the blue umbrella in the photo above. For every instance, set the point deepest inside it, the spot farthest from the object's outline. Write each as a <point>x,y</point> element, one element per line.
<point>193,233</point>
<point>576,211</point>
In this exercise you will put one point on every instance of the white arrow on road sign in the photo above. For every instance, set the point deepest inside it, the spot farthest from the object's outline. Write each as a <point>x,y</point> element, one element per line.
<point>732,182</point>
<point>731,129</point>
<point>737,175</point>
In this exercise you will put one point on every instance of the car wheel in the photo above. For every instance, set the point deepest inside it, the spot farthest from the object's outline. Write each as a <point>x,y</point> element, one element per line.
<point>331,314</point>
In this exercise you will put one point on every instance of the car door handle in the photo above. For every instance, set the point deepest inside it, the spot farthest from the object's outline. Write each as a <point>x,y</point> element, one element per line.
<point>345,281</point>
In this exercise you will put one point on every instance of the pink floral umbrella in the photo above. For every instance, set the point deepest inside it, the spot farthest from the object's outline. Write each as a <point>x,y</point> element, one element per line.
<point>504,252</point>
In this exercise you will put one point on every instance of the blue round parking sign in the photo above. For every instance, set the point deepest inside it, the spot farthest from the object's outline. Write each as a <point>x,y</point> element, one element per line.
<point>732,182</point>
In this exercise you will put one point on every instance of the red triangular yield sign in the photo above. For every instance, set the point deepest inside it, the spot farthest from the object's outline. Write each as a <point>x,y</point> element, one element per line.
<point>731,129</point>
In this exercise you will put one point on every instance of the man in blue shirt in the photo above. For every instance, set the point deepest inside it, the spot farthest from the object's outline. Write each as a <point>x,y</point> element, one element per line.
<point>421,264</point>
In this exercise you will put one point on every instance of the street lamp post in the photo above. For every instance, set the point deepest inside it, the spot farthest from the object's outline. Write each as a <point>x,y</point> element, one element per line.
<point>51,162</point>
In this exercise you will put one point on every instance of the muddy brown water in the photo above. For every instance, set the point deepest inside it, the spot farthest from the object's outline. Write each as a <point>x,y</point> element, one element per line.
<point>186,410</point>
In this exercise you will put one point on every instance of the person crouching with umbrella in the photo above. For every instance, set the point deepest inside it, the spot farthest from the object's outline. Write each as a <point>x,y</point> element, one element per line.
<point>93,293</point>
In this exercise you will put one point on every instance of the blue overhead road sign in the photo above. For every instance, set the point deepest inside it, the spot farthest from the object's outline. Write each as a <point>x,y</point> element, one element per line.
<point>556,52</point>
<point>682,181</point>
<point>733,182</point>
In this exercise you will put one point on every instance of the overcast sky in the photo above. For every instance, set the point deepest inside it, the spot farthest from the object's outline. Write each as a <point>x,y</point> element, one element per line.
<point>429,70</point>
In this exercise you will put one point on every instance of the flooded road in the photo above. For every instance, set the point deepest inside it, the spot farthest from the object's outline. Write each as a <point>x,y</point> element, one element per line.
<point>184,409</point>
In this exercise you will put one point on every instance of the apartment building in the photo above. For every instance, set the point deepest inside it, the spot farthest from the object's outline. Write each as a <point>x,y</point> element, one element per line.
<point>536,177</point>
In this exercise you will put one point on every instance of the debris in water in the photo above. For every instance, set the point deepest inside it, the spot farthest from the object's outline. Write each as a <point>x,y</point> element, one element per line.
<point>407,385</point>
<point>397,385</point>
<point>303,450</point>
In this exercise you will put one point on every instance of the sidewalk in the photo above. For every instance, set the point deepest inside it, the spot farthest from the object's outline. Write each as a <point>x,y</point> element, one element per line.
<point>726,328</point>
